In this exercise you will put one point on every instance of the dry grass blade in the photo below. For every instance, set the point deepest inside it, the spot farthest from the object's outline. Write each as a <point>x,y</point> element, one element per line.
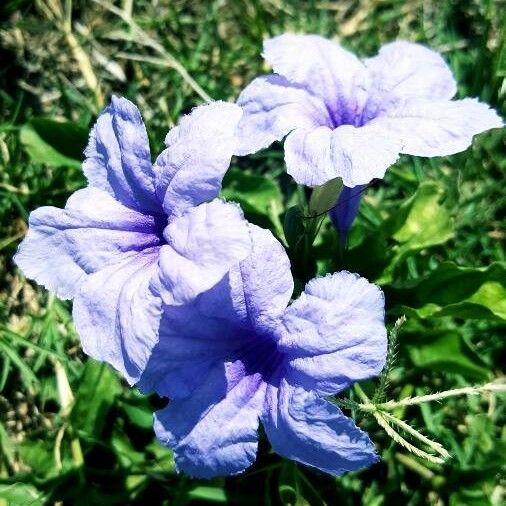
<point>145,39</point>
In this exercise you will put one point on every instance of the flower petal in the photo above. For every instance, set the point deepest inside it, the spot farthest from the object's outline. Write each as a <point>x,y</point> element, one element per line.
<point>404,71</point>
<point>272,108</point>
<point>198,154</point>
<point>323,68</point>
<point>306,428</point>
<point>222,320</point>
<point>432,128</point>
<point>62,246</point>
<point>117,312</point>
<point>264,279</point>
<point>118,159</point>
<point>215,433</point>
<point>202,245</point>
<point>193,337</point>
<point>334,334</point>
<point>357,155</point>
<point>308,156</point>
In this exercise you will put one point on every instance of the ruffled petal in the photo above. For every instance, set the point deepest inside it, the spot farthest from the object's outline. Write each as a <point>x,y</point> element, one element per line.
<point>308,156</point>
<point>357,155</point>
<point>198,154</point>
<point>323,68</point>
<point>272,108</point>
<point>214,433</point>
<point>221,321</point>
<point>432,128</point>
<point>62,246</point>
<point>404,71</point>
<point>117,313</point>
<point>264,280</point>
<point>202,245</point>
<point>193,338</point>
<point>306,428</point>
<point>118,159</point>
<point>334,334</point>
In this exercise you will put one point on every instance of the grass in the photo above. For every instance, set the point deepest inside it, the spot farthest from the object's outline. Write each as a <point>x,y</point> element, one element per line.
<point>70,431</point>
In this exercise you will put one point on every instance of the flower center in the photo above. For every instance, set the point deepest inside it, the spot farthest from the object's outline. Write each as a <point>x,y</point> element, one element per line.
<point>352,110</point>
<point>340,114</point>
<point>160,222</point>
<point>260,355</point>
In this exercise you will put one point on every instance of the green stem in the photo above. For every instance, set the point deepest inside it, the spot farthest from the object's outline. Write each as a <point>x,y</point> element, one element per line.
<point>414,465</point>
<point>438,448</point>
<point>77,452</point>
<point>412,401</point>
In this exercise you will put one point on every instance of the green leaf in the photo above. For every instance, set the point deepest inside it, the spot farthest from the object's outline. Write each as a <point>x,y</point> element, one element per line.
<point>255,193</point>
<point>12,356</point>
<point>293,227</point>
<point>18,494</point>
<point>427,222</point>
<point>211,494</point>
<point>97,391</point>
<point>324,197</point>
<point>55,143</point>
<point>451,290</point>
<point>7,448</point>
<point>469,497</point>
<point>138,409</point>
<point>126,453</point>
<point>163,456</point>
<point>369,257</point>
<point>140,415</point>
<point>38,454</point>
<point>289,487</point>
<point>446,351</point>
<point>421,222</point>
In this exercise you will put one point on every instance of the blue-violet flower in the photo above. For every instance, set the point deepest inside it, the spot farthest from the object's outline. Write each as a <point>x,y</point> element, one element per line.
<point>237,354</point>
<point>350,118</point>
<point>139,233</point>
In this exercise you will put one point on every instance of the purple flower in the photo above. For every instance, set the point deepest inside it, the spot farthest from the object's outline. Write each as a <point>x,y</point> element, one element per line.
<point>237,354</point>
<point>346,210</point>
<point>350,118</point>
<point>139,233</point>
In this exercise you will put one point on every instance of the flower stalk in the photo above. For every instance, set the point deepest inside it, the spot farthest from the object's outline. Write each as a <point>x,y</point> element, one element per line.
<point>389,423</point>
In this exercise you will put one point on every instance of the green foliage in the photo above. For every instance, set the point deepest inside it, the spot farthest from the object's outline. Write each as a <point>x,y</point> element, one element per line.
<point>97,391</point>
<point>324,197</point>
<point>55,143</point>
<point>211,494</point>
<point>21,493</point>
<point>256,194</point>
<point>462,292</point>
<point>446,351</point>
<point>422,221</point>
<point>430,234</point>
<point>259,196</point>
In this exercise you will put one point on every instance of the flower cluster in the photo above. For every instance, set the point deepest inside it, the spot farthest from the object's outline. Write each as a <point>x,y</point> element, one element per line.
<point>177,291</point>
<point>239,354</point>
